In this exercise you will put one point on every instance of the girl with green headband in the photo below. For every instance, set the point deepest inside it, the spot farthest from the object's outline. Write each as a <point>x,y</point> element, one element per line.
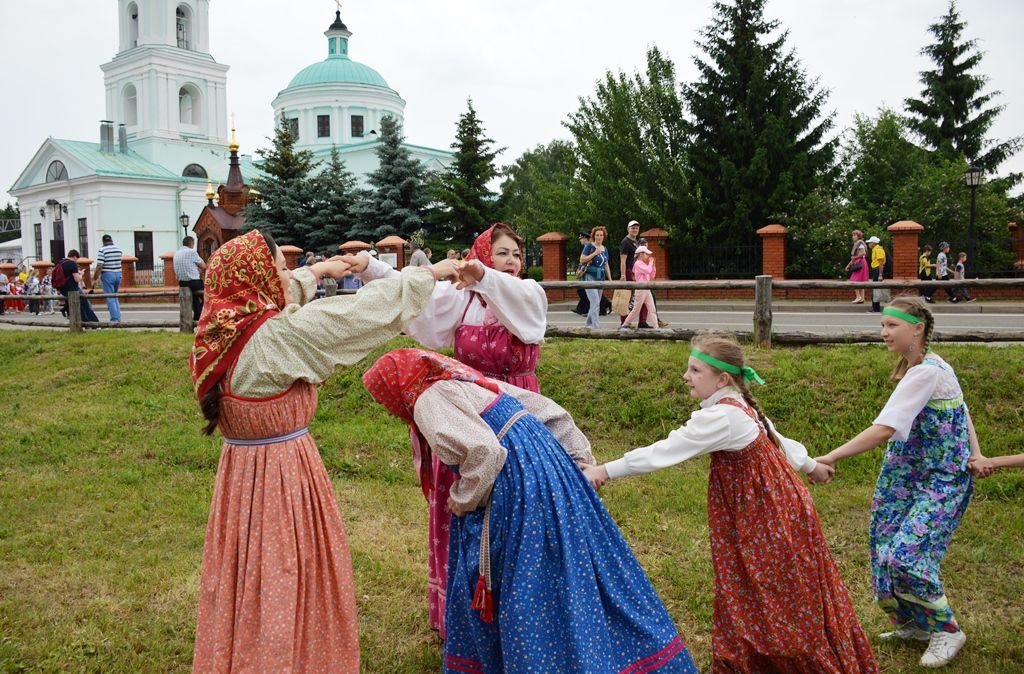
<point>924,486</point>
<point>780,604</point>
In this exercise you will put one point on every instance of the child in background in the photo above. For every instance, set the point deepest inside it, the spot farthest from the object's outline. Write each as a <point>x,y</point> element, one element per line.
<point>644,271</point>
<point>924,486</point>
<point>780,604</point>
<point>924,272</point>
<point>959,273</point>
<point>942,269</point>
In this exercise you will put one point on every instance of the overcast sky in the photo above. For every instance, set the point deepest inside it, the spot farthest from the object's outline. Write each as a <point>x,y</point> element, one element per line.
<point>524,63</point>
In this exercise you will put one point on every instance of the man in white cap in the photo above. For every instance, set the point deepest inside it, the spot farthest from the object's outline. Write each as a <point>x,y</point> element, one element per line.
<point>877,273</point>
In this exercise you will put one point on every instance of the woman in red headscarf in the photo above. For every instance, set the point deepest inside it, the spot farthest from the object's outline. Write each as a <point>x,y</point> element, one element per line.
<point>539,577</point>
<point>276,592</point>
<point>495,321</point>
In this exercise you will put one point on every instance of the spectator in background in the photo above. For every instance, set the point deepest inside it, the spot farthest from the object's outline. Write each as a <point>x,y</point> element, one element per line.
<point>857,267</point>
<point>429,253</point>
<point>960,274</point>
<point>924,272</point>
<point>73,279</point>
<point>627,256</point>
<point>32,289</point>
<point>942,270</point>
<point>465,253</point>
<point>309,259</point>
<point>877,274</point>
<point>5,288</point>
<point>418,257</point>
<point>108,266</point>
<point>189,268</point>
<point>452,254</point>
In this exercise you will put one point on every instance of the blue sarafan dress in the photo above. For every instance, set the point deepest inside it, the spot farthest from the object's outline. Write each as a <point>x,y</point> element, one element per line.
<point>922,493</point>
<point>570,595</point>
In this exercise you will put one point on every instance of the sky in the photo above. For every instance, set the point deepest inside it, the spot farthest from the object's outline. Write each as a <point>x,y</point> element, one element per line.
<point>525,64</point>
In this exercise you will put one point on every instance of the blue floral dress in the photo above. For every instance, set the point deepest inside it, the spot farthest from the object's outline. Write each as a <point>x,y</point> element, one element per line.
<point>922,493</point>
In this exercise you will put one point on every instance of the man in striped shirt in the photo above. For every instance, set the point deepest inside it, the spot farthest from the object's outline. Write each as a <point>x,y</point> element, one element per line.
<point>108,266</point>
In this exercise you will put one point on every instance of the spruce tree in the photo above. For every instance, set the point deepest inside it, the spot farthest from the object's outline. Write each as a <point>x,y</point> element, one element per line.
<point>952,116</point>
<point>286,206</point>
<point>758,141</point>
<point>465,205</point>
<point>397,199</point>
<point>334,193</point>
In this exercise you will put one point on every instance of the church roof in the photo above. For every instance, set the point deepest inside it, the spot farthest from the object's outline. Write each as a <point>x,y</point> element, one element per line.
<point>338,69</point>
<point>130,165</point>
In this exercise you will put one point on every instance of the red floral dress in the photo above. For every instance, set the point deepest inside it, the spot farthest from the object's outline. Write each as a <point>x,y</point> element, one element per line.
<point>780,604</point>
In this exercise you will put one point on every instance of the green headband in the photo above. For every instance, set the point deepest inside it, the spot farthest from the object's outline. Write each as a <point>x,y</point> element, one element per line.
<point>747,373</point>
<point>902,315</point>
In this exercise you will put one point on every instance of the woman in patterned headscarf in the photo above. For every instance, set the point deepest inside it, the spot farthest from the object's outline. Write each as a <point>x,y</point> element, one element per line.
<point>495,321</point>
<point>276,591</point>
<point>539,577</point>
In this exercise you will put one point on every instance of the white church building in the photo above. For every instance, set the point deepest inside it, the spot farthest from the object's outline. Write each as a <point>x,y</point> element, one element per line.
<point>166,133</point>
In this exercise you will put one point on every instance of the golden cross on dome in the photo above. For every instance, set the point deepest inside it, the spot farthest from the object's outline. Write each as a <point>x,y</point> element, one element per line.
<point>338,3</point>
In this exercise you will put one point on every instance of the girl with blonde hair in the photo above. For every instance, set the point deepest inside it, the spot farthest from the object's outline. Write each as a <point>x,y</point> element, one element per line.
<point>780,604</point>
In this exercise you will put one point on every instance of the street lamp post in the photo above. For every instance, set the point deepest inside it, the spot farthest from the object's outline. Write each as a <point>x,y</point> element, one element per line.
<point>183,219</point>
<point>972,178</point>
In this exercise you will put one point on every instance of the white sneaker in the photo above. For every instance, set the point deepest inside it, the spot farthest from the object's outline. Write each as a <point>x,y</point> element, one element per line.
<point>942,648</point>
<point>908,632</point>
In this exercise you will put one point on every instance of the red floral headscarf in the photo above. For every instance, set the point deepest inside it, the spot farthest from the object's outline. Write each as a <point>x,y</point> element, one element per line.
<point>481,248</point>
<point>397,380</point>
<point>243,289</point>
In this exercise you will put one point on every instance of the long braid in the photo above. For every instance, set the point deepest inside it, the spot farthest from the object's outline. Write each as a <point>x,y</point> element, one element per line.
<point>741,384</point>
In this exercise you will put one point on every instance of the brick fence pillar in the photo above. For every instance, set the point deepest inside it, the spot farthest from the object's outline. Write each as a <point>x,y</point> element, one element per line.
<point>291,255</point>
<point>170,280</point>
<point>128,271</point>
<point>42,268</point>
<point>84,266</point>
<point>353,247</point>
<point>656,239</point>
<point>1017,234</point>
<point>552,254</point>
<point>904,248</point>
<point>773,250</point>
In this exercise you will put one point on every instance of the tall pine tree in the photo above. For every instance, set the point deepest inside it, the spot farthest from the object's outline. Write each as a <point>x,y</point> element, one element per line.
<point>952,116</point>
<point>464,204</point>
<point>397,199</point>
<point>286,188</point>
<point>758,141</point>
<point>334,193</point>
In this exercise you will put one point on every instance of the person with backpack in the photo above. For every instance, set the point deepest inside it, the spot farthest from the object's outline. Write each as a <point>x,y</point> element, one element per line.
<point>67,278</point>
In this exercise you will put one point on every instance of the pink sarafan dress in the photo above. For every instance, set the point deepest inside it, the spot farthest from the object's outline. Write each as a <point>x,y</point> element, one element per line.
<point>276,593</point>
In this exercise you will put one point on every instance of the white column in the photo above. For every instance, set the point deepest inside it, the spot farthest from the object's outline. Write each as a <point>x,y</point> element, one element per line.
<point>345,131</point>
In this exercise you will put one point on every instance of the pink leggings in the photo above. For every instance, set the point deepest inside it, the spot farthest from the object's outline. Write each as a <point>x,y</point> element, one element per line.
<point>641,299</point>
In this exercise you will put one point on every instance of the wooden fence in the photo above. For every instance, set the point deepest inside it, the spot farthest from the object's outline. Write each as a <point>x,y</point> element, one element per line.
<point>761,332</point>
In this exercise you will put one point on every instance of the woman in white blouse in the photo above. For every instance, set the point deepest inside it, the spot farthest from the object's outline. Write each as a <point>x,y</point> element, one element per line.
<point>924,486</point>
<point>780,603</point>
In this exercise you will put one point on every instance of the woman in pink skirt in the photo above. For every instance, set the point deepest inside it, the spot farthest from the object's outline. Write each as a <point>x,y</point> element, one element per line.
<point>857,267</point>
<point>495,321</point>
<point>276,592</point>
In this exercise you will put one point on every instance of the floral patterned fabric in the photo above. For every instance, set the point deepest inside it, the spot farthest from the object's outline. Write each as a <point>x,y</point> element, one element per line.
<point>922,493</point>
<point>243,290</point>
<point>780,604</point>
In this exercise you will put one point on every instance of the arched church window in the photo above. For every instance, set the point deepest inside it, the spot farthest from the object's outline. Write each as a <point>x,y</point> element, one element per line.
<point>183,24</point>
<point>131,105</point>
<point>133,25</point>
<point>194,171</point>
<point>56,171</point>
<point>189,110</point>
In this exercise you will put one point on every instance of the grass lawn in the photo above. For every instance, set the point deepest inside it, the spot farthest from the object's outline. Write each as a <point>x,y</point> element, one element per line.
<point>105,486</point>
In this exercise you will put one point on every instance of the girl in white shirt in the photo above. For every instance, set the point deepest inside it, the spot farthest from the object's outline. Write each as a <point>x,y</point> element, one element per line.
<point>780,604</point>
<point>924,486</point>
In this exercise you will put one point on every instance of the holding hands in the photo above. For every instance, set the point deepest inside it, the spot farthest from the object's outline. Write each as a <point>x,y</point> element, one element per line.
<point>982,467</point>
<point>596,475</point>
<point>822,473</point>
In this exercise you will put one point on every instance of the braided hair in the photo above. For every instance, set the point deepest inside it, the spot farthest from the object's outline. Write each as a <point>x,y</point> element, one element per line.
<point>915,306</point>
<point>724,347</point>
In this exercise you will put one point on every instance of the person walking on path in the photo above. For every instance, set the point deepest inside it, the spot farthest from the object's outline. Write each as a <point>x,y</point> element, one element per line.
<point>189,269</point>
<point>924,272</point>
<point>644,270</point>
<point>276,589</point>
<point>627,258</point>
<point>942,270</point>
<point>595,255</point>
<point>878,260</point>
<point>780,604</point>
<point>539,577</point>
<point>72,282</point>
<point>857,267</point>
<point>924,486</point>
<point>494,321</point>
<point>5,288</point>
<point>108,266</point>
<point>960,274</point>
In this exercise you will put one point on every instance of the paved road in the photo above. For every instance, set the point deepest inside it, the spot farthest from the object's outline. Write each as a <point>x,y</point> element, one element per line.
<point>817,322</point>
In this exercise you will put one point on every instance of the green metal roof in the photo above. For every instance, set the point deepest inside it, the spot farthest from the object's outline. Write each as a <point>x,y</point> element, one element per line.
<point>338,69</point>
<point>131,165</point>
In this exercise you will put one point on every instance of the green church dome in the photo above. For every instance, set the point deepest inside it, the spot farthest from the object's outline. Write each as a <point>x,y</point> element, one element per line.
<point>338,70</point>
